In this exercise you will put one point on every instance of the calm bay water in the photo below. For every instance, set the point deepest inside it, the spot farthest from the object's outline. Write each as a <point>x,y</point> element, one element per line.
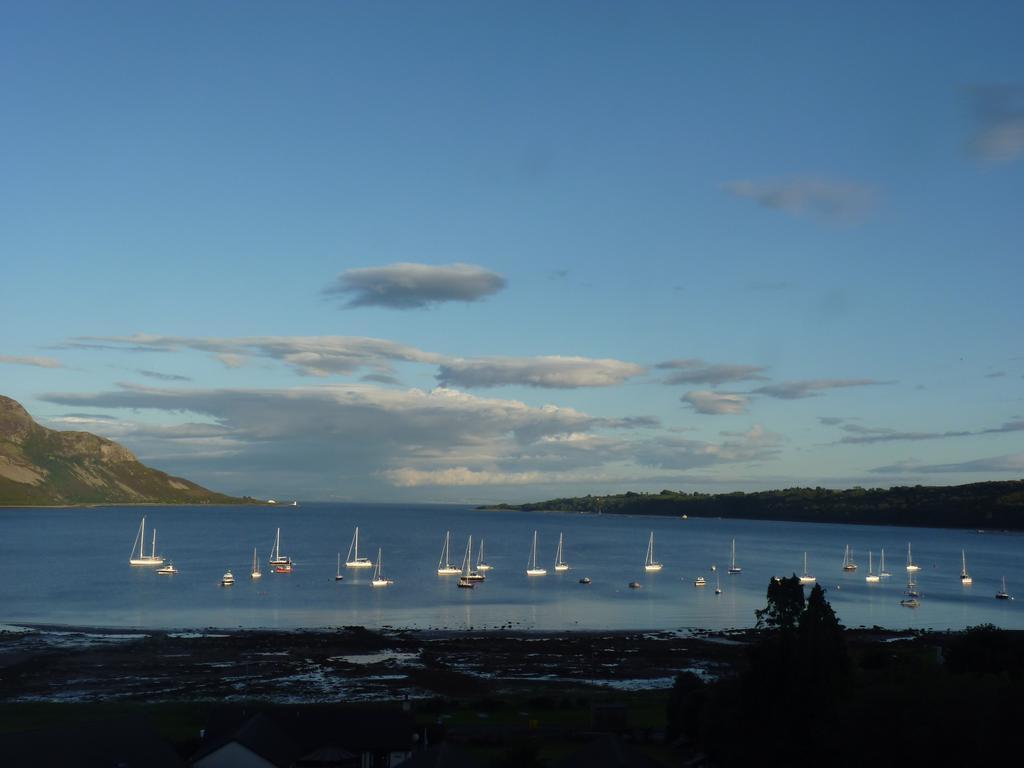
<point>70,566</point>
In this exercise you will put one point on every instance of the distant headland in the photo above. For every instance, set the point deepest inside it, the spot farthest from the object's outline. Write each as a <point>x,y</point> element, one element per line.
<point>44,467</point>
<point>997,505</point>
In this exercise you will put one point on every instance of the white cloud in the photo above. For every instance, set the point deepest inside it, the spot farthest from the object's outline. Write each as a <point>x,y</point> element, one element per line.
<point>553,372</point>
<point>1013,462</point>
<point>696,371</point>
<point>998,112</point>
<point>715,403</point>
<point>792,390</point>
<point>37,362</point>
<point>833,199</point>
<point>678,453</point>
<point>356,436</point>
<point>413,286</point>
<point>861,435</point>
<point>323,356</point>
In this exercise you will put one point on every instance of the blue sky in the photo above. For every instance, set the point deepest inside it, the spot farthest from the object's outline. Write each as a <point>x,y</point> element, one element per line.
<point>507,251</point>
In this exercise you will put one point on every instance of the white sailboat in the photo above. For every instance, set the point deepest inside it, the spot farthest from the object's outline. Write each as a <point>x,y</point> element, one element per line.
<point>733,568</point>
<point>1003,594</point>
<point>353,560</point>
<point>650,564</point>
<point>256,572</point>
<point>140,542</point>
<point>276,558</point>
<point>560,564</point>
<point>911,601</point>
<point>910,561</point>
<point>872,577</point>
<point>965,577</point>
<point>465,582</point>
<point>481,565</point>
<point>444,566</point>
<point>848,564</point>
<point>378,577</point>
<point>337,573</point>
<point>806,578</point>
<point>881,567</point>
<point>531,568</point>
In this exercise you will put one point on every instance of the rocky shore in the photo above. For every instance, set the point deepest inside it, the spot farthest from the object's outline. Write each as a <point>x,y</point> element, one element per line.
<point>47,664</point>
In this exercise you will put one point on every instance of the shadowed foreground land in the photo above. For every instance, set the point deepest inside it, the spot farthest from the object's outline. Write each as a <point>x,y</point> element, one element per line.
<point>948,698</point>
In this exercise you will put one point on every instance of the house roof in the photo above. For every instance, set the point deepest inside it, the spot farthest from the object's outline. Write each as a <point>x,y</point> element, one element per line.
<point>283,734</point>
<point>258,734</point>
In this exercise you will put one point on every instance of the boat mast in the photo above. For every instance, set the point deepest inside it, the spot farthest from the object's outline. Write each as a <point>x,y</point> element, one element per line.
<point>443,562</point>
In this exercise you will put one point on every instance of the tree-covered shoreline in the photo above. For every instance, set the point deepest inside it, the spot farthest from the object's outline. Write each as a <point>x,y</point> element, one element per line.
<point>997,505</point>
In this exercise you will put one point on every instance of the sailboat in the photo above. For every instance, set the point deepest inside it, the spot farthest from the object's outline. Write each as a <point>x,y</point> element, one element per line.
<point>733,568</point>
<point>965,577</point>
<point>352,559</point>
<point>910,561</point>
<point>848,564</point>
<point>140,541</point>
<point>276,558</point>
<point>337,574</point>
<point>256,573</point>
<point>560,564</point>
<point>872,577</point>
<point>650,564</point>
<point>881,567</point>
<point>718,583</point>
<point>465,582</point>
<point>378,578</point>
<point>806,578</point>
<point>531,568</point>
<point>1003,594</point>
<point>911,601</point>
<point>444,566</point>
<point>481,566</point>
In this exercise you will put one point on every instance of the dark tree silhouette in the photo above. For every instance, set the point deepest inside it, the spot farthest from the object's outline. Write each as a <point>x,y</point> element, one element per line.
<point>785,604</point>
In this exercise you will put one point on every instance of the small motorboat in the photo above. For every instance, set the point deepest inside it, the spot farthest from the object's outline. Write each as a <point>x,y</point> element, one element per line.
<point>167,570</point>
<point>585,580</point>
<point>634,585</point>
<point>700,582</point>
<point>227,579</point>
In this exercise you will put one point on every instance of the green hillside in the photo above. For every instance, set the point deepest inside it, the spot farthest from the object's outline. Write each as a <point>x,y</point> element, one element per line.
<point>40,466</point>
<point>991,505</point>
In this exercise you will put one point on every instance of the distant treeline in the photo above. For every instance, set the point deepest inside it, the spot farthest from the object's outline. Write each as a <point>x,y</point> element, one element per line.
<point>989,505</point>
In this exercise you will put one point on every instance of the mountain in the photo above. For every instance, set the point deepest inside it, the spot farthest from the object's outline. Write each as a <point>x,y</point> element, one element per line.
<point>40,466</point>
<point>997,505</point>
